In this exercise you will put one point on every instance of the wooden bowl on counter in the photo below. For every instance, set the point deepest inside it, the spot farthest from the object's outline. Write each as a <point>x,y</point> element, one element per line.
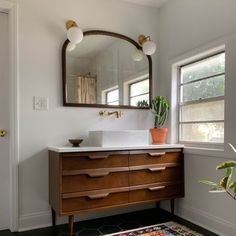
<point>75,142</point>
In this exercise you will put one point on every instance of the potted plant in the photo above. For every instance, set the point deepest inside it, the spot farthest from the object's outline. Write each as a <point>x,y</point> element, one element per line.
<point>226,185</point>
<point>160,110</point>
<point>142,103</point>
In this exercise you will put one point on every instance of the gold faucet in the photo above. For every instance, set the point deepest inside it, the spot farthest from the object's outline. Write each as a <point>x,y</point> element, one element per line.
<point>102,113</point>
<point>111,113</point>
<point>117,113</point>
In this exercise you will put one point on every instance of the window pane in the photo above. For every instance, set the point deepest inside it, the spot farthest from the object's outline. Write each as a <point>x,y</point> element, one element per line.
<point>139,88</point>
<point>203,111</point>
<point>205,132</point>
<point>210,66</point>
<point>208,88</point>
<point>113,96</point>
<point>113,103</point>
<point>134,101</point>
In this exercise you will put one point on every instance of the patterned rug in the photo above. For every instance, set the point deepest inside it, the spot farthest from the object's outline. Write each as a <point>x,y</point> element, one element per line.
<point>165,229</point>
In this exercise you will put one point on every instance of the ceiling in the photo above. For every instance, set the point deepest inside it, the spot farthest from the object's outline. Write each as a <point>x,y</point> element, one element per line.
<point>151,3</point>
<point>91,45</point>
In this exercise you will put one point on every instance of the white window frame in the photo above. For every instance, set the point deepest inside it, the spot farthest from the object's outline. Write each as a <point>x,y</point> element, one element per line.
<point>179,104</point>
<point>106,91</point>
<point>136,82</point>
<point>126,85</point>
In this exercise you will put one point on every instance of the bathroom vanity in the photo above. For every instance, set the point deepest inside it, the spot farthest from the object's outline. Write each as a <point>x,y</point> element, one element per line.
<point>89,179</point>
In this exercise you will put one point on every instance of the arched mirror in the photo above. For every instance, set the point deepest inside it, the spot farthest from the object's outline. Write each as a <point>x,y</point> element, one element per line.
<point>106,70</point>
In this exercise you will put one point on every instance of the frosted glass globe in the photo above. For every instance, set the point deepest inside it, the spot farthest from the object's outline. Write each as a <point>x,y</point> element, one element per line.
<point>70,47</point>
<point>149,47</point>
<point>75,35</point>
<point>138,55</point>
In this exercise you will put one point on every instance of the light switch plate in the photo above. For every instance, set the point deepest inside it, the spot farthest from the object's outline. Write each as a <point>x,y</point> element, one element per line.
<point>41,103</point>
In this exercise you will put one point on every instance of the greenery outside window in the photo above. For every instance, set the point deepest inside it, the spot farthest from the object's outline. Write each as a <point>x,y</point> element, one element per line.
<point>139,93</point>
<point>112,97</point>
<point>201,100</point>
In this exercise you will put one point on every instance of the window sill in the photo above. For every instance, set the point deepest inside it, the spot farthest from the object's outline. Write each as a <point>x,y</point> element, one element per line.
<point>209,152</point>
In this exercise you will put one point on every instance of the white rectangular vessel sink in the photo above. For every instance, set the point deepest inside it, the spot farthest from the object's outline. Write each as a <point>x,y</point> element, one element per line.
<point>118,138</point>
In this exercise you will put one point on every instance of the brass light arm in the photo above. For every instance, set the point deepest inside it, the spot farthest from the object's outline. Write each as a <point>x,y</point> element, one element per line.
<point>142,38</point>
<point>71,23</point>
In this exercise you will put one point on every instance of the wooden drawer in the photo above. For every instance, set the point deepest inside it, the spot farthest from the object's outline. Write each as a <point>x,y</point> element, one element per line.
<point>85,180</point>
<point>154,157</point>
<point>94,160</point>
<point>154,192</point>
<point>94,199</point>
<point>155,174</point>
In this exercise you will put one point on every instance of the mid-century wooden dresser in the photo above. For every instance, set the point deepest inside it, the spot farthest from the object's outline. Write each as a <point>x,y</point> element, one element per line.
<point>83,182</point>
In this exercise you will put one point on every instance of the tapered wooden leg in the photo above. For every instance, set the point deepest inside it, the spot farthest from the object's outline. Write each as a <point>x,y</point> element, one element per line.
<point>157,204</point>
<point>53,218</point>
<point>70,225</point>
<point>172,206</point>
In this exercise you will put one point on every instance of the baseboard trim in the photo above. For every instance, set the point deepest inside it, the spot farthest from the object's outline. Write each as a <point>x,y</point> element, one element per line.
<point>43,219</point>
<point>187,212</point>
<point>3,228</point>
<point>205,220</point>
<point>34,221</point>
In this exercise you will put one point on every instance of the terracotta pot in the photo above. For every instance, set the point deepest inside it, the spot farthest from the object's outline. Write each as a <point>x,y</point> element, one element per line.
<point>159,135</point>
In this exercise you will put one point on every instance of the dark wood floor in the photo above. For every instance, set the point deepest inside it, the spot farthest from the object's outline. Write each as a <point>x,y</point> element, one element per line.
<point>113,224</point>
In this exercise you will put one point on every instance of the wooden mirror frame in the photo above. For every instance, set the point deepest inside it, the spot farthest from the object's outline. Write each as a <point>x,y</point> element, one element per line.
<point>112,34</point>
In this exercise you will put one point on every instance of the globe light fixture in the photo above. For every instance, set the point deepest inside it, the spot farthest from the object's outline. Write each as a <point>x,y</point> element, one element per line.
<point>74,33</point>
<point>70,47</point>
<point>149,47</point>
<point>137,55</point>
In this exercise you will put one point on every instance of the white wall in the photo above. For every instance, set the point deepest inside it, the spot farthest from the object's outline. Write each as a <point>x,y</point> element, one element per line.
<point>188,27</point>
<point>41,36</point>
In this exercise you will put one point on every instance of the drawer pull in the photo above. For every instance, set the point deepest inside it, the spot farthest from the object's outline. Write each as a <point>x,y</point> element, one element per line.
<point>156,188</point>
<point>98,174</point>
<point>98,196</point>
<point>156,154</point>
<point>157,169</point>
<point>97,157</point>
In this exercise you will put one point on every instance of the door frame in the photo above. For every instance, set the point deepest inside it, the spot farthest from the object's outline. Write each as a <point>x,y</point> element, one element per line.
<point>12,9</point>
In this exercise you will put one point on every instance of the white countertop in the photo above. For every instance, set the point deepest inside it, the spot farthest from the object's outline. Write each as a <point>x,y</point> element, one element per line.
<point>95,149</point>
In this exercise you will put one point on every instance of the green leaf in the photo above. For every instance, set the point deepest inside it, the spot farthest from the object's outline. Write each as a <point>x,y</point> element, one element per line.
<point>207,182</point>
<point>217,190</point>
<point>229,173</point>
<point>225,165</point>
<point>224,182</point>
<point>232,185</point>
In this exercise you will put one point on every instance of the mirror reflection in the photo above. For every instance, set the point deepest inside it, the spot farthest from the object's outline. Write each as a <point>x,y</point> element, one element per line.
<point>106,70</point>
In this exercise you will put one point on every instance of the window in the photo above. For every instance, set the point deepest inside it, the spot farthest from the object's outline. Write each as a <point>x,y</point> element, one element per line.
<point>201,102</point>
<point>139,93</point>
<point>112,97</point>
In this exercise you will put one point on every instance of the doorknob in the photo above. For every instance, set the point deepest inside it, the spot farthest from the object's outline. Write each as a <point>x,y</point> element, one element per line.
<point>3,133</point>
